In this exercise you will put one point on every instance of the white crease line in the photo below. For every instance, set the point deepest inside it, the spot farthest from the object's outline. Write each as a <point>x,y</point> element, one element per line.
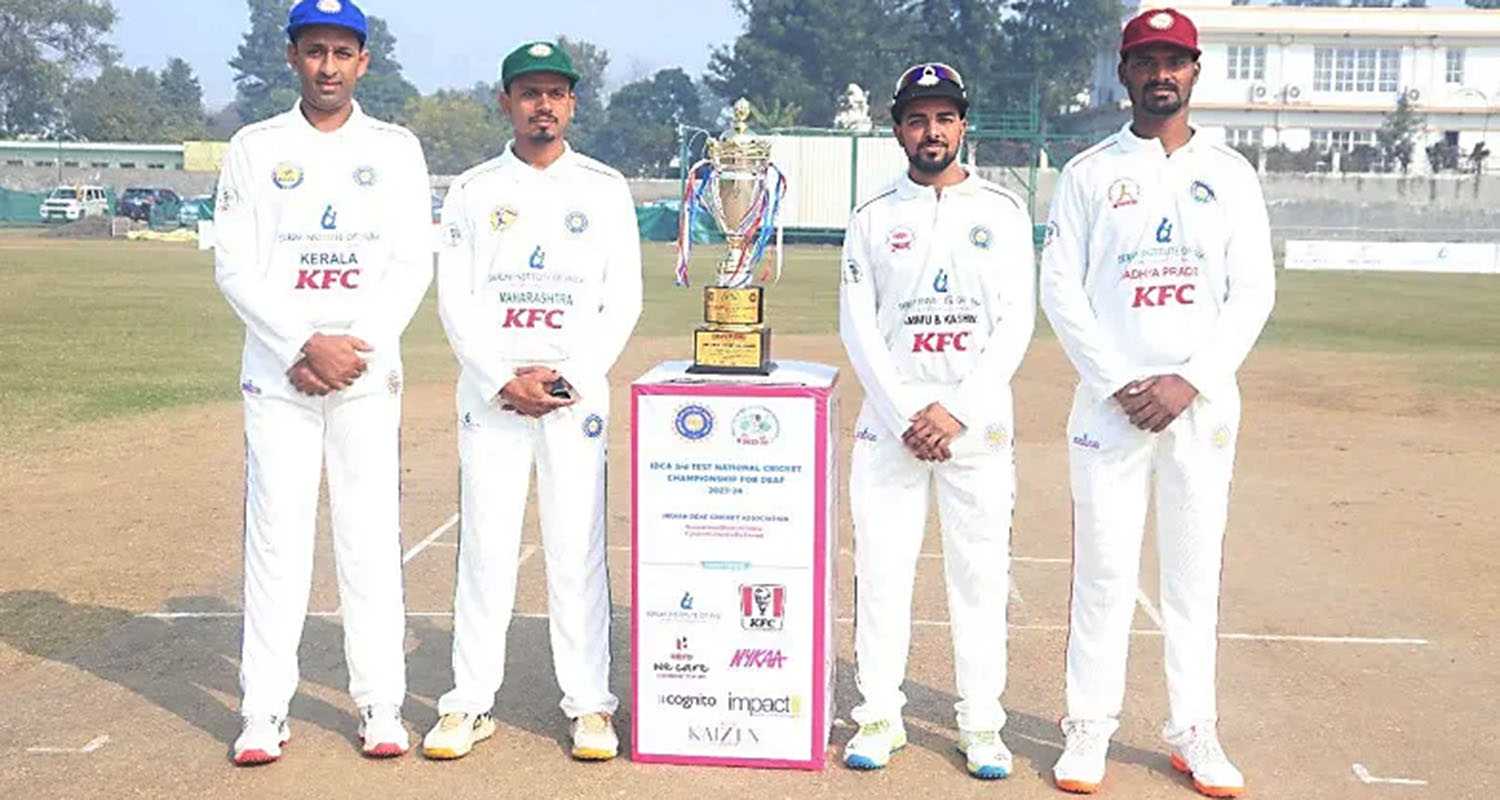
<point>94,744</point>
<point>1148,607</point>
<point>1017,559</point>
<point>1365,777</point>
<point>431,537</point>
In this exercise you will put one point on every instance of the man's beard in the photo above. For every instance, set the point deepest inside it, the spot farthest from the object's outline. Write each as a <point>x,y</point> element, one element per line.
<point>923,164</point>
<point>1165,108</point>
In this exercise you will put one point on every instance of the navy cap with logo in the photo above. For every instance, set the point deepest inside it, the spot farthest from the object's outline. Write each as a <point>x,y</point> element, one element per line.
<point>340,13</point>
<point>537,57</point>
<point>929,80</point>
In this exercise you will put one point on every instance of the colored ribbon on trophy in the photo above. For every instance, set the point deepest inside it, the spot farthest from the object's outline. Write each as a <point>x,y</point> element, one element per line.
<point>692,201</point>
<point>758,227</point>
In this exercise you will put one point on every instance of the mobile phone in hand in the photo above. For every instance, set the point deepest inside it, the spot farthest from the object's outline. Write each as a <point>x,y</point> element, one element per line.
<point>560,389</point>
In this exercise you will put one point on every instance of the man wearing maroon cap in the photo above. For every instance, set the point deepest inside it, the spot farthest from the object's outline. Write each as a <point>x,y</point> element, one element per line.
<point>1157,278</point>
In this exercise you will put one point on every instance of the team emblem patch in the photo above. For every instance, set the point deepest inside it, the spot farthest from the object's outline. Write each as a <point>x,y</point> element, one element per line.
<point>330,6</point>
<point>1124,192</point>
<point>1162,21</point>
<point>287,175</point>
<point>1050,235</point>
<point>900,239</point>
<point>693,422</point>
<point>393,382</point>
<point>503,217</point>
<point>980,236</point>
<point>996,436</point>
<point>851,272</point>
<point>249,387</point>
<point>593,426</point>
<point>453,235</point>
<point>755,426</point>
<point>540,50</point>
<point>228,199</point>
<point>576,222</point>
<point>1202,192</point>
<point>366,176</point>
<point>1222,437</point>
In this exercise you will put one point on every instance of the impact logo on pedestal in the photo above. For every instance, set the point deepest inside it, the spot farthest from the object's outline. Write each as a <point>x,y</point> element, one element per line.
<point>762,606</point>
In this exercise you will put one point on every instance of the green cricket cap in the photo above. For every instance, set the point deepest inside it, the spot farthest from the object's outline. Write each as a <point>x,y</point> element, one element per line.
<point>537,57</point>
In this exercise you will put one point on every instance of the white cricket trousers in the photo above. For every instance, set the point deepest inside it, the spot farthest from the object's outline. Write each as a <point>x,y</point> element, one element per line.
<point>286,443</point>
<point>1112,465</point>
<point>888,495</point>
<point>496,452</point>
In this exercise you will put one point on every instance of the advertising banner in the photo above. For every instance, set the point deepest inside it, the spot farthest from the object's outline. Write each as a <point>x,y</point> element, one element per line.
<point>1468,257</point>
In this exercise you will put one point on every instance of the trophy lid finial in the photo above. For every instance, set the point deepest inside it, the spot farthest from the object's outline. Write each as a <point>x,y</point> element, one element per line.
<point>741,116</point>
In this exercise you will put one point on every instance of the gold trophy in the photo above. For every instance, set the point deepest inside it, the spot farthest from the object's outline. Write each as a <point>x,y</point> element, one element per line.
<point>739,186</point>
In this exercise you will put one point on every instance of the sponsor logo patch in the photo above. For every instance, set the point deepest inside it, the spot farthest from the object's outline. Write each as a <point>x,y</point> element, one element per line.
<point>1162,21</point>
<point>866,435</point>
<point>757,658</point>
<point>576,222</point>
<point>1123,192</point>
<point>327,278</point>
<point>680,663</point>
<point>851,272</point>
<point>1083,440</point>
<point>1202,192</point>
<point>366,176</point>
<point>1222,437</point>
<point>996,436</point>
<point>940,342</point>
<point>287,175</point>
<point>900,239</point>
<point>1166,294</point>
<point>786,706</point>
<point>249,387</point>
<point>762,606</point>
<point>503,217</point>
<point>723,735</point>
<point>1050,235</point>
<point>687,702</point>
<point>940,282</point>
<point>532,318</point>
<point>1164,231</point>
<point>981,237</point>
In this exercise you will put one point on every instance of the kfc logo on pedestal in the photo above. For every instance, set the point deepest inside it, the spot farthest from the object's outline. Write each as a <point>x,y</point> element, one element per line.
<point>762,606</point>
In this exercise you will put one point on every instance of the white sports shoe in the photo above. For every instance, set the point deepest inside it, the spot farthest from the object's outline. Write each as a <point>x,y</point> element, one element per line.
<point>871,748</point>
<point>594,738</point>
<point>260,740</point>
<point>1080,769</point>
<point>988,757</point>
<point>455,734</point>
<point>381,731</point>
<point>1196,752</point>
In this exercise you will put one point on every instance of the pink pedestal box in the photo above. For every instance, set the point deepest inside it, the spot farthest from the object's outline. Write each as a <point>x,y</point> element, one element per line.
<point>733,515</point>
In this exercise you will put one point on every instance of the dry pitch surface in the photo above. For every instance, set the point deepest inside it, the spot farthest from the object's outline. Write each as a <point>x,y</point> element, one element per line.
<point>1358,656</point>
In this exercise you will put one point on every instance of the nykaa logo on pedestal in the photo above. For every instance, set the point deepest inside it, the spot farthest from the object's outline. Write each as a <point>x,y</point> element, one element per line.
<point>327,278</point>
<point>1154,296</point>
<point>757,658</point>
<point>940,342</point>
<point>533,318</point>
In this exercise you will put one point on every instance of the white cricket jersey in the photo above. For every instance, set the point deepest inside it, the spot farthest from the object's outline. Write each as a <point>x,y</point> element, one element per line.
<point>320,232</point>
<point>937,302</point>
<point>1156,264</point>
<point>538,266</point>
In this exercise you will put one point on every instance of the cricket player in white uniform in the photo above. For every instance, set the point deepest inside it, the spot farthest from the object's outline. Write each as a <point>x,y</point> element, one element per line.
<point>539,286</point>
<point>323,239</point>
<point>936,310</point>
<point>1157,277</point>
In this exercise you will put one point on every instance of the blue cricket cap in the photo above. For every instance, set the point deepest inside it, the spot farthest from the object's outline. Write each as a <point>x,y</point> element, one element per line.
<point>341,13</point>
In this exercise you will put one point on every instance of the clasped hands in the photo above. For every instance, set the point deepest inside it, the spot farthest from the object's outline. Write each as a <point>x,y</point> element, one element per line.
<point>1153,403</point>
<point>329,364</point>
<point>527,393</point>
<point>932,430</point>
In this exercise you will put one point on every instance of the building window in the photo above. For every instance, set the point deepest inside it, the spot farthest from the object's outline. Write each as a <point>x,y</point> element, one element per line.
<point>15,162</point>
<point>1244,137</point>
<point>1247,63</point>
<point>1455,65</point>
<point>72,164</point>
<point>1356,69</point>
<point>99,164</point>
<point>48,163</point>
<point>127,165</point>
<point>1341,139</point>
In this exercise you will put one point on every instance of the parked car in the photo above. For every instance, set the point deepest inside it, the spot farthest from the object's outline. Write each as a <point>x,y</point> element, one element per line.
<point>187,215</point>
<point>138,201</point>
<point>69,203</point>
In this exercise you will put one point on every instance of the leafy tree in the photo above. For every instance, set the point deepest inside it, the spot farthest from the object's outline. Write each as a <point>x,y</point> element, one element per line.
<point>1483,3</point>
<point>642,121</point>
<point>456,129</point>
<point>120,105</point>
<point>42,42</point>
<point>777,115</point>
<point>182,100</point>
<point>1057,41</point>
<point>590,60</point>
<point>383,93</point>
<point>1397,137</point>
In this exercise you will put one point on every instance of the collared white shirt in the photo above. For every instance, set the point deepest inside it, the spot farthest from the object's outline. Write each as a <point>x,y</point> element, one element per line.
<point>1157,264</point>
<point>538,266</point>
<point>322,232</point>
<point>937,302</point>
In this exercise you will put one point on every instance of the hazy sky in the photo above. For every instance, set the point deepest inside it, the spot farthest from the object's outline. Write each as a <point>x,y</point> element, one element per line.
<point>446,43</point>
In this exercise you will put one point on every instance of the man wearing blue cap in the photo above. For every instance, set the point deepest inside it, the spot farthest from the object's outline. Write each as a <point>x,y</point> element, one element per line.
<point>539,287</point>
<point>323,248</point>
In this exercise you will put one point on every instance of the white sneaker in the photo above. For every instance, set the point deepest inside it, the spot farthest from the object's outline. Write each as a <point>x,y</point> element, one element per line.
<point>871,748</point>
<point>1080,769</point>
<point>260,740</point>
<point>594,738</point>
<point>988,757</point>
<point>1196,752</point>
<point>455,734</point>
<point>381,731</point>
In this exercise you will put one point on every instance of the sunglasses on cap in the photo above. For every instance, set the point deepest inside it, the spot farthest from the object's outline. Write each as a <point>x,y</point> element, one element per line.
<point>928,75</point>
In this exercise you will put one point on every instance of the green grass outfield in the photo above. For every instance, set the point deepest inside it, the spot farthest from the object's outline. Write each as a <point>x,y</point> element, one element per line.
<point>97,329</point>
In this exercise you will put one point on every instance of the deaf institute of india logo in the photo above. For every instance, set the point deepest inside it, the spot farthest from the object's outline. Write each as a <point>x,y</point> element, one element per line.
<point>693,422</point>
<point>755,425</point>
<point>762,606</point>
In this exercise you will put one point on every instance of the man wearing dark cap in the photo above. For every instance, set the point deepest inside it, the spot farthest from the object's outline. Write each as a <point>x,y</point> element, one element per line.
<point>936,309</point>
<point>323,248</point>
<point>1157,278</point>
<point>539,288</point>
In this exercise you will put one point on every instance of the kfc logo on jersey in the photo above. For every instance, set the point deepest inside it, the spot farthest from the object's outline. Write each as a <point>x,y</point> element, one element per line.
<point>327,278</point>
<point>533,318</point>
<point>1153,296</point>
<point>900,239</point>
<point>935,342</point>
<point>762,606</point>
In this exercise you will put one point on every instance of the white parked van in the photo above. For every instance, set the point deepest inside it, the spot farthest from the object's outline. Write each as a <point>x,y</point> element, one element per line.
<point>68,203</point>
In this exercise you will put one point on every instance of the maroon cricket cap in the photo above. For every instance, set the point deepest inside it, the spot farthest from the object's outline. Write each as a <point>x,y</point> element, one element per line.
<point>1166,26</point>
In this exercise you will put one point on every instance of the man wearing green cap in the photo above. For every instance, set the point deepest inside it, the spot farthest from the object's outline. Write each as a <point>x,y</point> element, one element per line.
<point>539,287</point>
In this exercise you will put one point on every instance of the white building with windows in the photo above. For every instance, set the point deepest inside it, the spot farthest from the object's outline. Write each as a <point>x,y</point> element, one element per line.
<point>1328,76</point>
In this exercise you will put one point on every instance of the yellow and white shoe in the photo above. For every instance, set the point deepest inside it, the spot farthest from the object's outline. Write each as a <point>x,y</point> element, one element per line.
<point>455,734</point>
<point>594,738</point>
<point>1196,752</point>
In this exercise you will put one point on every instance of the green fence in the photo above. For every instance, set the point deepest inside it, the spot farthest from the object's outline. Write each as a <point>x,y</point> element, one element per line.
<point>21,207</point>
